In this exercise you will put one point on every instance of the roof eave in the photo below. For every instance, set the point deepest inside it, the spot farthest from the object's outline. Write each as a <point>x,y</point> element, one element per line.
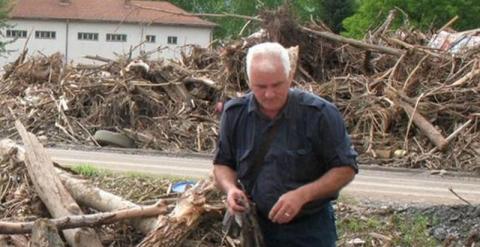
<point>205,25</point>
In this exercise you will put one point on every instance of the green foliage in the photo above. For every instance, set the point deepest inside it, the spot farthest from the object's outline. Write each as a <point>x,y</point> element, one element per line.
<point>335,11</point>
<point>414,231</point>
<point>332,11</point>
<point>404,231</point>
<point>87,170</point>
<point>4,9</point>
<point>423,14</point>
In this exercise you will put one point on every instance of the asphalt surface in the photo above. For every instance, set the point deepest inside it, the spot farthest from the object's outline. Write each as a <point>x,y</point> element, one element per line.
<point>372,184</point>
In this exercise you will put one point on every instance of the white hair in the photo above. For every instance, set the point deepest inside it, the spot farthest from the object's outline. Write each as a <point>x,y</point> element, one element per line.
<point>268,48</point>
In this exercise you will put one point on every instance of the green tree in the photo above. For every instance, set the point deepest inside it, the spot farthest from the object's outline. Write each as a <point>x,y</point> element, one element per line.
<point>230,27</point>
<point>335,11</point>
<point>4,9</point>
<point>423,14</point>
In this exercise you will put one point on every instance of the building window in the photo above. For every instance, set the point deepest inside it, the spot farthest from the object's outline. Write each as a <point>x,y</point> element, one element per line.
<point>150,38</point>
<point>172,40</point>
<point>116,37</point>
<point>16,33</point>
<point>87,36</point>
<point>45,34</point>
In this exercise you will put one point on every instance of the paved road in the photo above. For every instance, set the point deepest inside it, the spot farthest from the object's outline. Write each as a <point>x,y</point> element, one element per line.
<point>371,184</point>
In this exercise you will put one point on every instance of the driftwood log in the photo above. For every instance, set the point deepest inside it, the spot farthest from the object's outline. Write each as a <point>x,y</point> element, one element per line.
<point>75,221</point>
<point>93,197</point>
<point>45,234</point>
<point>356,43</point>
<point>425,126</point>
<point>175,227</point>
<point>84,192</point>
<point>51,190</point>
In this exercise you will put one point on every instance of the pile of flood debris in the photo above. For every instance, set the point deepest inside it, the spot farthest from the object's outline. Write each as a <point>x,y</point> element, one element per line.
<point>406,103</point>
<point>39,200</point>
<point>43,204</point>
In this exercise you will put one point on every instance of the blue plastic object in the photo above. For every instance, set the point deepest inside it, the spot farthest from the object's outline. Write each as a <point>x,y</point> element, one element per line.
<point>180,187</point>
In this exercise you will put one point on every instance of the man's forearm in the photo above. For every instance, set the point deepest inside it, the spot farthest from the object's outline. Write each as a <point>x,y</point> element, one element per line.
<point>225,177</point>
<point>328,185</point>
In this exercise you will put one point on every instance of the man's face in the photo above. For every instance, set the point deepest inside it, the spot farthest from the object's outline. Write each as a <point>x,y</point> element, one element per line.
<point>269,83</point>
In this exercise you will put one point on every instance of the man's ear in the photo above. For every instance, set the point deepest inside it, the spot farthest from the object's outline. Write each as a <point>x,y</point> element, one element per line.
<point>293,55</point>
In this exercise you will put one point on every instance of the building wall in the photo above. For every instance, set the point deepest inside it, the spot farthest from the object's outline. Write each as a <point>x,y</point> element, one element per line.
<point>68,43</point>
<point>35,46</point>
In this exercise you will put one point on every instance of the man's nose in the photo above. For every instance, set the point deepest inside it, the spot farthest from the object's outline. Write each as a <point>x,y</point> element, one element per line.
<point>269,93</point>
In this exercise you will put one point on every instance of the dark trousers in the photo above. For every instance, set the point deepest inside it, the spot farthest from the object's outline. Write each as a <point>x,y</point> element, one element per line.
<point>312,230</point>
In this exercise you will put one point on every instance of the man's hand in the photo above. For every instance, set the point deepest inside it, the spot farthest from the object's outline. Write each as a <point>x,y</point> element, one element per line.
<point>236,200</point>
<point>287,207</point>
<point>226,179</point>
<point>290,203</point>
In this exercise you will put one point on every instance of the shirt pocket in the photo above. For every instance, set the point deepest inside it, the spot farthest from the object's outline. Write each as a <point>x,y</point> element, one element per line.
<point>300,165</point>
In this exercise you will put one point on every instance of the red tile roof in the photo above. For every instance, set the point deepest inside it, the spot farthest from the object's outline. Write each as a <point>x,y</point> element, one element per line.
<point>105,11</point>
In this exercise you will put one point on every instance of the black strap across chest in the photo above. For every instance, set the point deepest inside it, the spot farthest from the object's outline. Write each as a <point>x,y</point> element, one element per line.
<point>259,155</point>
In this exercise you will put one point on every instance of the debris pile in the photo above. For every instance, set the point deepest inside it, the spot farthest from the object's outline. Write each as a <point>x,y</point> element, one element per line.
<point>69,104</point>
<point>191,218</point>
<point>406,104</point>
<point>29,205</point>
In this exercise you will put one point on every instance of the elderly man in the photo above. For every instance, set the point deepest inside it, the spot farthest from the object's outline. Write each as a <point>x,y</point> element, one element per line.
<point>290,150</point>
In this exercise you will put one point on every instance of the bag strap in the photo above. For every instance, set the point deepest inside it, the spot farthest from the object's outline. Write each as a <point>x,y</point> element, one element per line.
<point>259,156</point>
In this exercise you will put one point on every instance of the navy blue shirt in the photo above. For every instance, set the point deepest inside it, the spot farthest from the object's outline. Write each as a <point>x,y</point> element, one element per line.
<point>311,138</point>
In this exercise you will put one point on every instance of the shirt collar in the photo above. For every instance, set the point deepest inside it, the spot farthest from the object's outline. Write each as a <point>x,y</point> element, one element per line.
<point>287,111</point>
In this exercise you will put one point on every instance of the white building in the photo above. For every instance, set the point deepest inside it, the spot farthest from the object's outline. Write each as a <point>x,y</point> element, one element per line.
<point>77,28</point>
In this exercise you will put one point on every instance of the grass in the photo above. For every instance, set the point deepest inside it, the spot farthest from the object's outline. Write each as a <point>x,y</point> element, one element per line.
<point>87,170</point>
<point>402,230</point>
<point>414,231</point>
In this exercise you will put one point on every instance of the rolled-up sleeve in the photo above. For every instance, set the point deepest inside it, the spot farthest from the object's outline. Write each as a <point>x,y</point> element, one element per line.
<point>335,147</point>
<point>224,154</point>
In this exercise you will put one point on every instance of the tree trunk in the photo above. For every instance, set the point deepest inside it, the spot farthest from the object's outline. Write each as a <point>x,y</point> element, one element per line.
<point>84,192</point>
<point>45,234</point>
<point>175,227</point>
<point>425,126</point>
<point>75,221</point>
<point>51,190</point>
<point>93,197</point>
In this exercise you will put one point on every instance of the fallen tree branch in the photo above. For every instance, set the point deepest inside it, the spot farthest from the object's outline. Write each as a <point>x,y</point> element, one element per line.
<point>459,197</point>
<point>466,78</point>
<point>51,190</point>
<point>425,126</point>
<point>69,222</point>
<point>176,226</point>
<point>453,135</point>
<point>356,43</point>
<point>87,194</point>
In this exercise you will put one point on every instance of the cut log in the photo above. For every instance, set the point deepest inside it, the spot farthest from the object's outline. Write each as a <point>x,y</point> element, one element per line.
<point>425,126</point>
<point>93,197</point>
<point>45,234</point>
<point>75,221</point>
<point>84,192</point>
<point>176,226</point>
<point>51,190</point>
